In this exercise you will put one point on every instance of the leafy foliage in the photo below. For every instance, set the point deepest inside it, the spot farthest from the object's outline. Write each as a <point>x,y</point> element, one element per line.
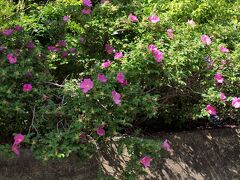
<point>171,81</point>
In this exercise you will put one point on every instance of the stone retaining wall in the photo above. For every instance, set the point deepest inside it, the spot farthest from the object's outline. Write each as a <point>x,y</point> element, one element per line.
<point>204,154</point>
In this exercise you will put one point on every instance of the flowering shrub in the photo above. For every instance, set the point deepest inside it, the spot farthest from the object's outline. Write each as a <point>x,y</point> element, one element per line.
<point>75,74</point>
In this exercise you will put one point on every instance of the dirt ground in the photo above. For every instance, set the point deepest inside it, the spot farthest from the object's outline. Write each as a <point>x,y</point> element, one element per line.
<point>203,154</point>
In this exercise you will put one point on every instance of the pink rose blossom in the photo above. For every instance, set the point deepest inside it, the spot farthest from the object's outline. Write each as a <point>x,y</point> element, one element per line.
<point>11,58</point>
<point>206,39</point>
<point>152,47</point>
<point>170,33</point>
<point>154,19</point>
<point>72,50</point>
<point>100,131</point>
<point>62,43</point>
<point>223,49</point>
<point>116,97</point>
<point>109,49</point>
<point>64,54</point>
<point>18,138</point>
<point>218,78</point>
<point>8,32</point>
<point>223,97</point>
<point>133,18</point>
<point>121,79</point>
<point>102,78</point>
<point>166,145</point>
<point>53,48</point>
<point>86,11</point>
<point>158,55</point>
<point>145,161</point>
<point>236,102</point>
<point>15,149</point>
<point>86,85</point>
<point>118,55</point>
<point>87,3</point>
<point>18,28</point>
<point>66,18</point>
<point>27,87</point>
<point>106,64</point>
<point>211,110</point>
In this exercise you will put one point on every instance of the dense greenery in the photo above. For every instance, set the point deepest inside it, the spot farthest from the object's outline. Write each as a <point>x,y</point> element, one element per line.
<point>65,97</point>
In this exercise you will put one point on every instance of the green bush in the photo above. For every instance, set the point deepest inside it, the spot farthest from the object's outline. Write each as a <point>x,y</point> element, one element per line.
<point>61,115</point>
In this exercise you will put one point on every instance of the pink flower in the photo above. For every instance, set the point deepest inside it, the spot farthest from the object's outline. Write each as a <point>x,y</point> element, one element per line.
<point>72,50</point>
<point>166,145</point>
<point>118,55</point>
<point>116,97</point>
<point>206,39</point>
<point>53,48</point>
<point>66,18</point>
<point>211,110</point>
<point>15,149</point>
<point>109,49</point>
<point>218,77</point>
<point>8,32</point>
<point>154,19</point>
<point>121,79</point>
<point>236,102</point>
<point>223,49</point>
<point>223,97</point>
<point>86,11</point>
<point>18,138</point>
<point>158,55</point>
<point>102,78</point>
<point>18,28</point>
<point>64,54</point>
<point>106,64</point>
<point>100,131</point>
<point>145,161</point>
<point>170,33</point>
<point>133,18</point>
<point>86,85</point>
<point>62,43</point>
<point>11,58</point>
<point>87,3</point>
<point>191,23</point>
<point>152,47</point>
<point>27,87</point>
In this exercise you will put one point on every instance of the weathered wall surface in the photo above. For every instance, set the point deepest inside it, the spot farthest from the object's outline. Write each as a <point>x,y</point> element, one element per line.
<point>205,154</point>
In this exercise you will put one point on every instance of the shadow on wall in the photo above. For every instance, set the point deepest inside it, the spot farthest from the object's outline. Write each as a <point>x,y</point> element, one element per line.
<point>204,154</point>
<point>25,167</point>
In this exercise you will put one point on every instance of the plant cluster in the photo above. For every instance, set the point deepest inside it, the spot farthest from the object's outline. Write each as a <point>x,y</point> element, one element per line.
<point>75,74</point>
